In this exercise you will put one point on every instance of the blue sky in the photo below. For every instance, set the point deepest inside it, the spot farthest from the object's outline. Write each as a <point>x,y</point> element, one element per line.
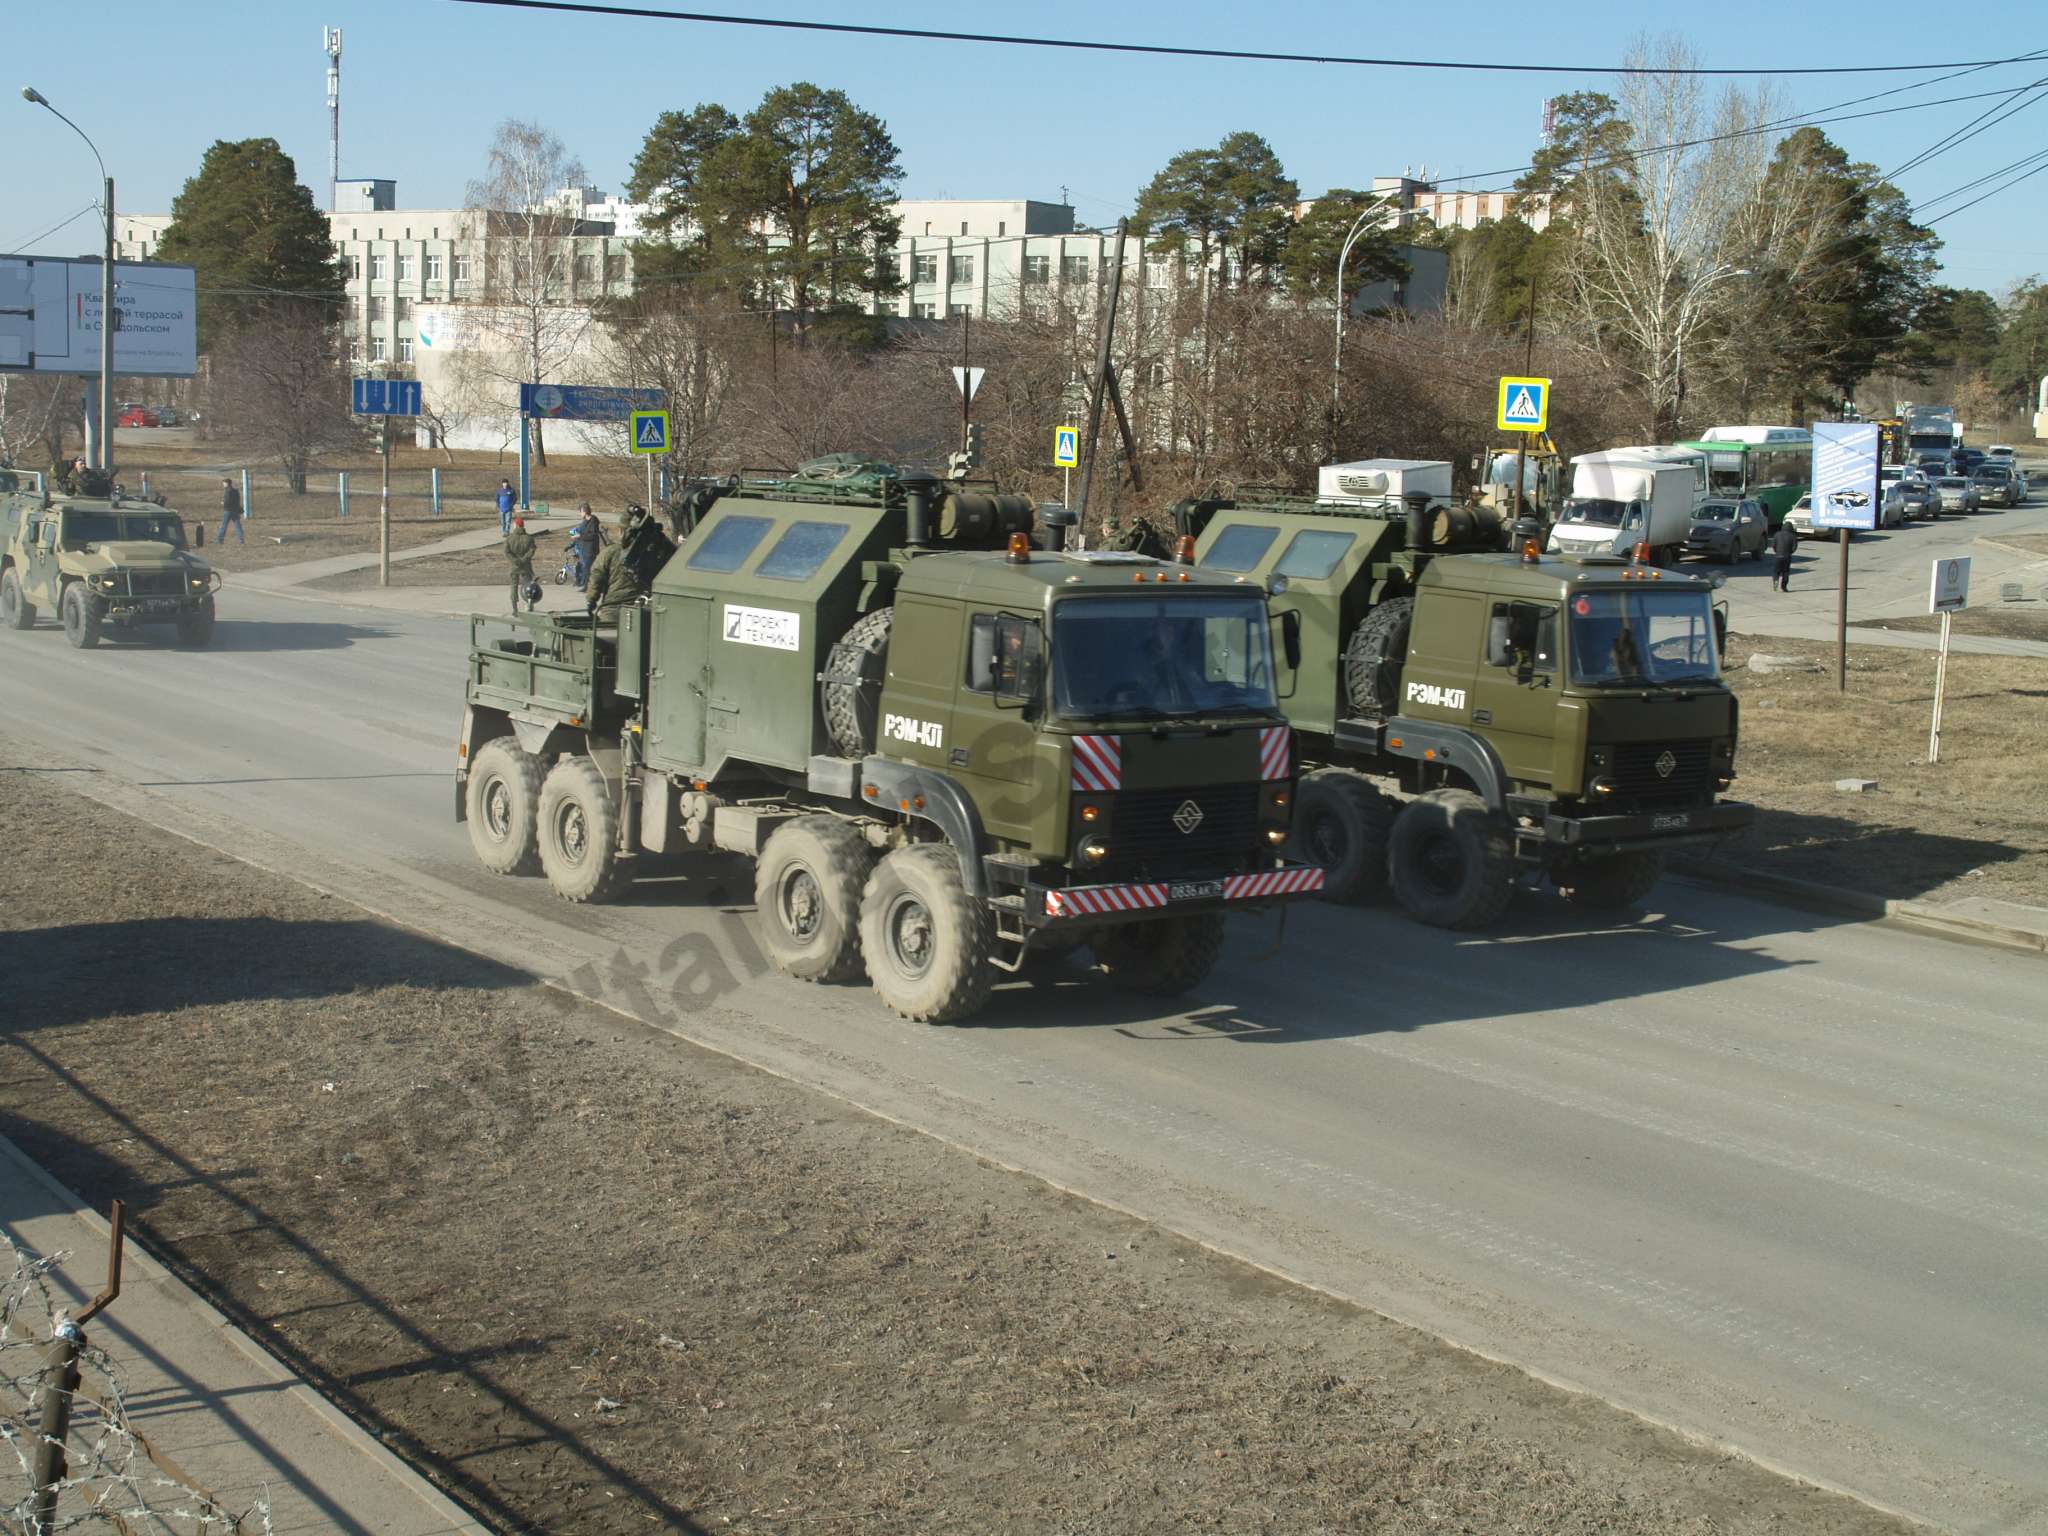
<point>425,81</point>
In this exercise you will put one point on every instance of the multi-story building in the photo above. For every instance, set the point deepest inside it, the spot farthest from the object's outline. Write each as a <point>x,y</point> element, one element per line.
<point>1410,198</point>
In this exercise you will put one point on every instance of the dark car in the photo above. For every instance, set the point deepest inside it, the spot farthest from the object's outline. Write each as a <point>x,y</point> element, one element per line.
<point>2000,481</point>
<point>1932,465</point>
<point>1727,530</point>
<point>1965,460</point>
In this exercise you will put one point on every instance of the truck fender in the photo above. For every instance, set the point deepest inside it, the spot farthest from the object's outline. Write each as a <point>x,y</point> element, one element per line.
<point>945,805</point>
<point>1453,747</point>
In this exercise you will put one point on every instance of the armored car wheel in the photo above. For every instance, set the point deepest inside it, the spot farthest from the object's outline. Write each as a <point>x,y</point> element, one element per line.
<point>195,625</point>
<point>1450,861</point>
<point>503,795</point>
<point>926,941</point>
<point>1341,822</point>
<point>579,832</point>
<point>16,611</point>
<point>807,890</point>
<point>1611,884</point>
<point>1162,956</point>
<point>82,614</point>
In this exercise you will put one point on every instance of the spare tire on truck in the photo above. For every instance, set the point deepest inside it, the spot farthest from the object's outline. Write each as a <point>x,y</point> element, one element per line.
<point>1373,659</point>
<point>851,688</point>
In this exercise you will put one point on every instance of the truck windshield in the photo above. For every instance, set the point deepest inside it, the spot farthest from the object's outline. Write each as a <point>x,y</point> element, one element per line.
<point>83,528</point>
<point>1602,511</point>
<point>1642,638</point>
<point>1161,657</point>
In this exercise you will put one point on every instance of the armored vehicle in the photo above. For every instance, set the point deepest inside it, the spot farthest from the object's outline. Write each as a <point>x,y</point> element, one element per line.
<point>98,561</point>
<point>944,748</point>
<point>1559,717</point>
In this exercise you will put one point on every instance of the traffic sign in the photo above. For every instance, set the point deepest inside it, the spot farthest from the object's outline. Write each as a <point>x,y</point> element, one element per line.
<point>385,397</point>
<point>1066,447</point>
<point>969,380</point>
<point>1951,588</point>
<point>1524,405</point>
<point>650,431</point>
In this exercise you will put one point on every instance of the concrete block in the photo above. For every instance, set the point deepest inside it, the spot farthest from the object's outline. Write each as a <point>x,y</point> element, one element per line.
<point>1855,786</point>
<point>1761,662</point>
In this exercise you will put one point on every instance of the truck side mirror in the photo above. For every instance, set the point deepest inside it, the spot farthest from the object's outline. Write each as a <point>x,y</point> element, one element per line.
<point>1290,638</point>
<point>1721,630</point>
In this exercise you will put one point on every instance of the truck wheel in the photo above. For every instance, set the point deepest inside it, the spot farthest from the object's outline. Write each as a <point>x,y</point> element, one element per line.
<point>16,611</point>
<point>579,832</point>
<point>927,942</point>
<point>807,889</point>
<point>1450,861</point>
<point>81,613</point>
<point>1373,659</point>
<point>1162,956</point>
<point>1611,884</point>
<point>851,708</point>
<point>503,794</point>
<point>1341,823</point>
<point>195,625</point>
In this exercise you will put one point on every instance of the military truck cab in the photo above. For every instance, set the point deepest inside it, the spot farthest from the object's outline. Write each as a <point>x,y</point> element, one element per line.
<point>944,747</point>
<point>1549,717</point>
<point>98,562</point>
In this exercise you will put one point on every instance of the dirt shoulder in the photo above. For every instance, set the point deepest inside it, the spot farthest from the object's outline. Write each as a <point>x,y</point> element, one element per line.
<point>2026,620</point>
<point>1975,824</point>
<point>598,1280</point>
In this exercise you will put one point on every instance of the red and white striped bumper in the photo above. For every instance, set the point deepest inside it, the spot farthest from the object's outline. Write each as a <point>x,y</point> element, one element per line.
<point>1117,900</point>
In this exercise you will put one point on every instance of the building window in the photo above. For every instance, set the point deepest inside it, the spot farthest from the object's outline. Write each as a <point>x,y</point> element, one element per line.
<point>925,311</point>
<point>355,268</point>
<point>963,226</point>
<point>462,269</point>
<point>1073,269</point>
<point>406,266</point>
<point>586,269</point>
<point>1002,229</point>
<point>615,267</point>
<point>380,268</point>
<point>1037,269</point>
<point>376,349</point>
<point>433,269</point>
<point>961,269</point>
<point>404,309</point>
<point>355,352</point>
<point>927,226</point>
<point>925,269</point>
<point>405,349</point>
<point>377,308</point>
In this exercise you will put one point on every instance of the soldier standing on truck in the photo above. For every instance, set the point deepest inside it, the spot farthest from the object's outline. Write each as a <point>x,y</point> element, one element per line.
<point>519,548</point>
<point>613,582</point>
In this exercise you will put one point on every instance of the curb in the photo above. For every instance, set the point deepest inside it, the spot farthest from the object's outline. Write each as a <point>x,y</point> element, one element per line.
<point>1836,899</point>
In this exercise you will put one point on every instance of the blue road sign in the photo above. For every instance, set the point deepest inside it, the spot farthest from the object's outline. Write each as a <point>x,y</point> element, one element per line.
<point>586,402</point>
<point>1845,489</point>
<point>650,431</point>
<point>385,397</point>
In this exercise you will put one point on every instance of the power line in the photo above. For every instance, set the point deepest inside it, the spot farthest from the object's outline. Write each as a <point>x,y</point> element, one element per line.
<point>649,13</point>
<point>92,207</point>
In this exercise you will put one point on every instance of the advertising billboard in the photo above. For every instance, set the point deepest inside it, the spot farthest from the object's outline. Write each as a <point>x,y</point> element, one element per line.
<point>1844,474</point>
<point>50,316</point>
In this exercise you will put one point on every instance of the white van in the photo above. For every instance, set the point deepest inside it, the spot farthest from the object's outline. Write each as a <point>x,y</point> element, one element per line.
<point>1625,498</point>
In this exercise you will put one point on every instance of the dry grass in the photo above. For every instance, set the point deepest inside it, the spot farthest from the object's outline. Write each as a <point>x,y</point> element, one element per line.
<point>1976,824</point>
<point>2025,620</point>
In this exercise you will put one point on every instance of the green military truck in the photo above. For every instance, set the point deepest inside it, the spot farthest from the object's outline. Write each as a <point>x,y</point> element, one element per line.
<point>944,748</point>
<point>98,562</point>
<point>1549,717</point>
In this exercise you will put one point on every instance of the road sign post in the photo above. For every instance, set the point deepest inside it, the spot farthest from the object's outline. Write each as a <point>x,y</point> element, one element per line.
<point>1524,407</point>
<point>1949,591</point>
<point>385,398</point>
<point>1845,496</point>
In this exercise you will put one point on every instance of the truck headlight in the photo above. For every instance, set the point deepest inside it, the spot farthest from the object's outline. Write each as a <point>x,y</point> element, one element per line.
<point>1094,851</point>
<point>198,581</point>
<point>1276,835</point>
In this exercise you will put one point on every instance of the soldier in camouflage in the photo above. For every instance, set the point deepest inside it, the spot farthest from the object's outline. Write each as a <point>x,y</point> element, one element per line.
<point>519,548</point>
<point>613,582</point>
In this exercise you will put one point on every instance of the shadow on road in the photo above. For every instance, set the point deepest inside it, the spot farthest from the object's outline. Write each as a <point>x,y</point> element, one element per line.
<point>1834,850</point>
<point>243,635</point>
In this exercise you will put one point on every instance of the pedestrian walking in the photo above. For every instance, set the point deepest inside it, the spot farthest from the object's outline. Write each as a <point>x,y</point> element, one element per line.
<point>519,548</point>
<point>505,503</point>
<point>1784,544</point>
<point>230,512</point>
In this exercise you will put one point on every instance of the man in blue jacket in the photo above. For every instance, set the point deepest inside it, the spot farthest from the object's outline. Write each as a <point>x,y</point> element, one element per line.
<point>505,503</point>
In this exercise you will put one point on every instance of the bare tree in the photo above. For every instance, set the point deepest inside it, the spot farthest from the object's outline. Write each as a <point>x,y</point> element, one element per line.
<point>693,343</point>
<point>530,325</point>
<point>280,386</point>
<point>36,409</point>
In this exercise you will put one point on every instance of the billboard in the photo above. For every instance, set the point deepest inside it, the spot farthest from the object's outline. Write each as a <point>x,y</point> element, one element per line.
<point>50,316</point>
<point>586,402</point>
<point>1844,474</point>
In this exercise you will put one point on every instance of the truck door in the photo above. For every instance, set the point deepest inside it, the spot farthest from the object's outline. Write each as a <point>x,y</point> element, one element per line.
<point>1521,695</point>
<point>679,680</point>
<point>41,577</point>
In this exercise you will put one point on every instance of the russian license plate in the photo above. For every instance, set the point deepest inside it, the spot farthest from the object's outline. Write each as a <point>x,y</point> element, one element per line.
<point>1669,823</point>
<point>1193,890</point>
<point>160,607</point>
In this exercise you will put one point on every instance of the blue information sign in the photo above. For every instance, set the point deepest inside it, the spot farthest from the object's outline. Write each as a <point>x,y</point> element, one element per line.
<point>586,402</point>
<point>385,397</point>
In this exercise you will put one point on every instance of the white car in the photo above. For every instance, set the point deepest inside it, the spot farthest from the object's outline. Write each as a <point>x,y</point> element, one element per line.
<point>1800,518</point>
<point>1995,451</point>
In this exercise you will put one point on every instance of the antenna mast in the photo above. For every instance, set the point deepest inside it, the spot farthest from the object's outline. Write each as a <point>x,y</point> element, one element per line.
<point>330,39</point>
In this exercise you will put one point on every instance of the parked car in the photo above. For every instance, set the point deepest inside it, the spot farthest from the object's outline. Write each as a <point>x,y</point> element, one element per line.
<point>1958,494</point>
<point>1965,460</point>
<point>1999,451</point>
<point>136,416</point>
<point>1999,481</point>
<point>167,416</point>
<point>1918,493</point>
<point>1727,530</point>
<point>1800,518</point>
<point>1932,465</point>
<point>1891,505</point>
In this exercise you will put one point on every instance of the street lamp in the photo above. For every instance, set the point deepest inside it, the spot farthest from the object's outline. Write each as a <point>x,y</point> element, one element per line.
<point>1337,361</point>
<point>107,312</point>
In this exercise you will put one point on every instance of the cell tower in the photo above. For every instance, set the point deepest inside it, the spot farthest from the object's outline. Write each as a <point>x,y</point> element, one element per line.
<point>330,39</point>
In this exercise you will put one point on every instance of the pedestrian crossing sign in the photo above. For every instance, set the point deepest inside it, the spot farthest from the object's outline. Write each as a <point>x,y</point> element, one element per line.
<point>1524,405</point>
<point>650,431</point>
<point>1066,447</point>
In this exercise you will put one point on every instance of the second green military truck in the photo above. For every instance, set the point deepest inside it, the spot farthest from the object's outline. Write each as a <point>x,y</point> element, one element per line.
<point>1548,717</point>
<point>944,748</point>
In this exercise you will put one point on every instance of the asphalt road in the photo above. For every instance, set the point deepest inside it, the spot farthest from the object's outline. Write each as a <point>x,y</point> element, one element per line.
<point>1778,1180</point>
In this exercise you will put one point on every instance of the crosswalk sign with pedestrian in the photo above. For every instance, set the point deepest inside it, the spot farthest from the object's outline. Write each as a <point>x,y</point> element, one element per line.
<point>1066,447</point>
<point>650,431</point>
<point>1524,405</point>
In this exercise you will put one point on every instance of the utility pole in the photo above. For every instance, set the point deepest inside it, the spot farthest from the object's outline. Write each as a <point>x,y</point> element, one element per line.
<point>384,509</point>
<point>110,319</point>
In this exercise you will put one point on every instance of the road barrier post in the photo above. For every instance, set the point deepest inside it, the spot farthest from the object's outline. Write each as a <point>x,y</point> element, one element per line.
<point>434,479</point>
<point>341,488</point>
<point>248,506</point>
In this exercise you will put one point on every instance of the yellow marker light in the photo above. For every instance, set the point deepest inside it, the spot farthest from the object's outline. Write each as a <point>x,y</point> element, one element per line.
<point>1091,813</point>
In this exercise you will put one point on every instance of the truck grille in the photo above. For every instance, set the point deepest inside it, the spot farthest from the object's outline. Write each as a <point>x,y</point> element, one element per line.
<point>156,583</point>
<point>1636,776</point>
<point>1147,842</point>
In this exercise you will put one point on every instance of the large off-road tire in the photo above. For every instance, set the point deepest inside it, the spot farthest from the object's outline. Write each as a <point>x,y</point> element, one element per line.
<point>502,804</point>
<point>1341,823</point>
<point>1450,861</point>
<point>195,625</point>
<point>579,832</point>
<point>16,611</point>
<point>807,890</point>
<point>927,942</point>
<point>1611,884</point>
<point>1161,956</point>
<point>1374,657</point>
<point>82,615</point>
<point>852,710</point>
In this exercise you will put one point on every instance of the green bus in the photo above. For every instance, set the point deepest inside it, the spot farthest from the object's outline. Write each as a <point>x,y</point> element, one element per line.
<point>1770,465</point>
